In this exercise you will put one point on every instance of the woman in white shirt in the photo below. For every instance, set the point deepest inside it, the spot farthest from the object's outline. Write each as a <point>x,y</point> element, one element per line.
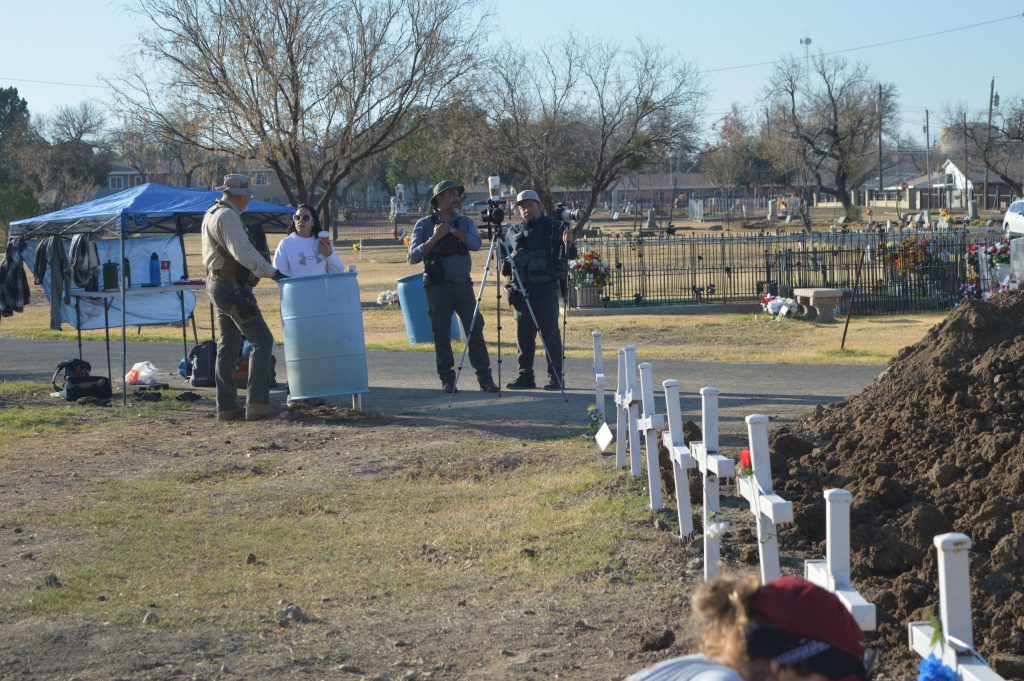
<point>303,253</point>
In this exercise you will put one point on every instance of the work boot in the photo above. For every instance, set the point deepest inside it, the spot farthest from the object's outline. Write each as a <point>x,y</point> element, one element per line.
<point>553,384</point>
<point>489,386</point>
<point>449,386</point>
<point>259,412</point>
<point>524,382</point>
<point>235,413</point>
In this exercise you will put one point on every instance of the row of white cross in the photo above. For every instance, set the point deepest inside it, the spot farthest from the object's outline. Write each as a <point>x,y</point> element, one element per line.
<point>636,412</point>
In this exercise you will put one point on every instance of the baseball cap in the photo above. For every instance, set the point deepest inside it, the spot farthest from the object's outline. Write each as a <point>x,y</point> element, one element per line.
<point>811,628</point>
<point>527,195</point>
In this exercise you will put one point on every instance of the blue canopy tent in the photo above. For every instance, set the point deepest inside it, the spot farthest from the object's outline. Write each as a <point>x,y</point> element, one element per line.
<point>149,210</point>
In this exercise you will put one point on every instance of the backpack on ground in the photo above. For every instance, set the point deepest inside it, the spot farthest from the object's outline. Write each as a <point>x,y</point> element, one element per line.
<point>203,358</point>
<point>88,386</point>
<point>67,369</point>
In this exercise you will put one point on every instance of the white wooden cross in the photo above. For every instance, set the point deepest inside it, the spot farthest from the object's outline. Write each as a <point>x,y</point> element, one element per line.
<point>713,467</point>
<point>650,423</point>
<point>833,573</point>
<point>674,442</point>
<point>955,646</point>
<point>626,401</point>
<point>769,508</point>
<point>600,380</point>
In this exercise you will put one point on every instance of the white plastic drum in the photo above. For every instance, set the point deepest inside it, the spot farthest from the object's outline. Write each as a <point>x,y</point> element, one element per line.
<point>324,348</point>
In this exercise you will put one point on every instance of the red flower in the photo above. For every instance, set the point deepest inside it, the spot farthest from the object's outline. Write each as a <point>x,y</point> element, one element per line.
<point>745,458</point>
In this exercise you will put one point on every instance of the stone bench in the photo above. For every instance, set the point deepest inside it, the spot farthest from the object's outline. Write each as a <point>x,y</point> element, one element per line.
<point>819,304</point>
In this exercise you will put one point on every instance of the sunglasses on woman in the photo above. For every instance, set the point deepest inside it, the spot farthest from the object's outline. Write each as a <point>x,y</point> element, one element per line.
<point>302,218</point>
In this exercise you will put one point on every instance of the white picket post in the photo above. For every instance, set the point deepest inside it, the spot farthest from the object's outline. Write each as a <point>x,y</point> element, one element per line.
<point>632,410</point>
<point>709,418</point>
<point>713,467</point>
<point>651,422</point>
<point>621,411</point>
<point>680,455</point>
<point>769,508</point>
<point>956,644</point>
<point>600,380</point>
<point>833,573</point>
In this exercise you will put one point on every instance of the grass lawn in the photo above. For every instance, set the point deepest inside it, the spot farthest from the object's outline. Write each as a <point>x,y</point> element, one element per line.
<point>710,337</point>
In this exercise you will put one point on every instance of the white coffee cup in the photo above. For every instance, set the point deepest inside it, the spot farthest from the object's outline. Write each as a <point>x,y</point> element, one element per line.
<point>324,235</point>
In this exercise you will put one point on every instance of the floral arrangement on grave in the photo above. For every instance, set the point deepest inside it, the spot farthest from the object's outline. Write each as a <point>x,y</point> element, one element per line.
<point>773,304</point>
<point>998,253</point>
<point>387,298</point>
<point>906,256</point>
<point>971,288</point>
<point>590,270</point>
<point>594,420</point>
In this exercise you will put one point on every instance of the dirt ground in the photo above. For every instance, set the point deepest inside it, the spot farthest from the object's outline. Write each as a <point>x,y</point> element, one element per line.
<point>553,636</point>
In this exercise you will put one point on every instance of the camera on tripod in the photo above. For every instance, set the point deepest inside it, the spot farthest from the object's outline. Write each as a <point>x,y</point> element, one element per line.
<point>564,214</point>
<point>494,214</point>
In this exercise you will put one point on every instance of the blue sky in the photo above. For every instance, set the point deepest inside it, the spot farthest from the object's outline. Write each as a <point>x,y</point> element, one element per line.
<point>75,42</point>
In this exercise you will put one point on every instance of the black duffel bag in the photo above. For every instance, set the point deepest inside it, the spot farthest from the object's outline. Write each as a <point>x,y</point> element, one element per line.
<point>76,387</point>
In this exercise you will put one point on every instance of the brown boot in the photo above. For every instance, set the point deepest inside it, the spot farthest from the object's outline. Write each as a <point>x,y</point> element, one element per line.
<point>261,412</point>
<point>232,414</point>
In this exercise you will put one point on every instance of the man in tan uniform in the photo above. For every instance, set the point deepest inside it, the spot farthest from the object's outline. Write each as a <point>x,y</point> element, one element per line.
<point>233,266</point>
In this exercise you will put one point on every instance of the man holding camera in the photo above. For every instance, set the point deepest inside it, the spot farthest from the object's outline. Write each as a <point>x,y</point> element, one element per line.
<point>540,250</point>
<point>442,242</point>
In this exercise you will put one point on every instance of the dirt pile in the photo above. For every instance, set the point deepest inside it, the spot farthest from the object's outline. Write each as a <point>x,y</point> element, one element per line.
<point>934,445</point>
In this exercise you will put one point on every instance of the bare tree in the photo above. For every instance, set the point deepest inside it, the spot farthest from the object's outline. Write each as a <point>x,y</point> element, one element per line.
<point>640,105</point>
<point>826,122</point>
<point>66,156</point>
<point>308,87</point>
<point>592,112</point>
<point>998,148</point>
<point>738,157</point>
<point>529,102</point>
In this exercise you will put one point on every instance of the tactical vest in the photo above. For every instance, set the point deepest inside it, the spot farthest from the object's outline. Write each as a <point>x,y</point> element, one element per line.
<point>232,270</point>
<point>541,266</point>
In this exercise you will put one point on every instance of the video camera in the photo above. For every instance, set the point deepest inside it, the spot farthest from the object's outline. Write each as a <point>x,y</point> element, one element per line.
<point>494,214</point>
<point>563,214</point>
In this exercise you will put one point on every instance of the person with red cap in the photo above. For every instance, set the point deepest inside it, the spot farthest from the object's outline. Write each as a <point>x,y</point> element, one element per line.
<point>785,630</point>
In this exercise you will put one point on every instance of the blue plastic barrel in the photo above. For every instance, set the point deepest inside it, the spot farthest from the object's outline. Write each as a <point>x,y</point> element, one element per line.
<point>324,348</point>
<point>415,312</point>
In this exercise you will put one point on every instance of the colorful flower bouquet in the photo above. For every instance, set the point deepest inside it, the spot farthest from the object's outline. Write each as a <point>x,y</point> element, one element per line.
<point>773,304</point>
<point>998,253</point>
<point>387,298</point>
<point>590,270</point>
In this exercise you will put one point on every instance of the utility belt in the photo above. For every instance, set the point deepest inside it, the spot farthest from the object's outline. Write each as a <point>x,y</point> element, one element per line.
<point>232,271</point>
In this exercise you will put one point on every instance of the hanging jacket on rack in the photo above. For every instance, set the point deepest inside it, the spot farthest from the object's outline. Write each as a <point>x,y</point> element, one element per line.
<point>50,255</point>
<point>14,291</point>
<point>85,262</point>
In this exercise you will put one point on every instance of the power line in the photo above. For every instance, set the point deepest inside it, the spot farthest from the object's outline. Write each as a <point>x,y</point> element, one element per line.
<point>50,82</point>
<point>872,45</point>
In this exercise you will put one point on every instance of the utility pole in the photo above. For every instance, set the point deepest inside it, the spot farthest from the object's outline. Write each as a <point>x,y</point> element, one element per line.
<point>928,158</point>
<point>878,110</point>
<point>963,194</point>
<point>988,138</point>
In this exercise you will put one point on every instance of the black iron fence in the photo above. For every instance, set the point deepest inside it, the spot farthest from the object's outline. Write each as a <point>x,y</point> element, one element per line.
<point>898,271</point>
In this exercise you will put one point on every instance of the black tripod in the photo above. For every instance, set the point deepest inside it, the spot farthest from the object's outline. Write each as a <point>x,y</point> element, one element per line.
<point>495,247</point>
<point>493,216</point>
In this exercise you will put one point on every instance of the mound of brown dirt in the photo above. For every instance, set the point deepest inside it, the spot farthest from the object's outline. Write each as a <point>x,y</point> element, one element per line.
<point>933,445</point>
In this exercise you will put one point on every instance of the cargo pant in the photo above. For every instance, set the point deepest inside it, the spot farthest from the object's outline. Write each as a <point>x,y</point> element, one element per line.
<point>238,315</point>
